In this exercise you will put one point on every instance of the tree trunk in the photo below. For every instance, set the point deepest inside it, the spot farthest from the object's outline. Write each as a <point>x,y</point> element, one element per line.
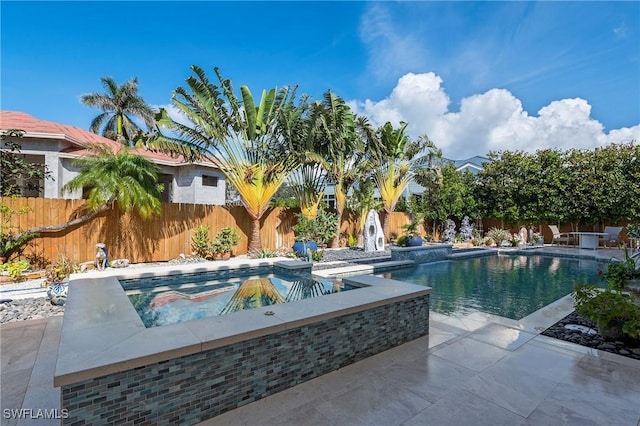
<point>335,243</point>
<point>34,232</point>
<point>255,243</point>
<point>385,224</point>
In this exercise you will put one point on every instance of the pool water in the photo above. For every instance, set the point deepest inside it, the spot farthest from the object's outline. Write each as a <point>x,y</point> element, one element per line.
<point>508,286</point>
<point>171,304</point>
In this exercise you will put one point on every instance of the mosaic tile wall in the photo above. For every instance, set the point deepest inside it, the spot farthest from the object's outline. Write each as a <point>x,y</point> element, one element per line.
<point>196,387</point>
<point>422,254</point>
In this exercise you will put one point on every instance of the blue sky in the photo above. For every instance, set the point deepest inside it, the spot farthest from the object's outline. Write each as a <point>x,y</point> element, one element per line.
<point>474,76</point>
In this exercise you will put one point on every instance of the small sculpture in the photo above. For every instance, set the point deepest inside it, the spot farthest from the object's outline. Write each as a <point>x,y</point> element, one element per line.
<point>373,235</point>
<point>449,235</point>
<point>524,235</point>
<point>101,256</point>
<point>466,229</point>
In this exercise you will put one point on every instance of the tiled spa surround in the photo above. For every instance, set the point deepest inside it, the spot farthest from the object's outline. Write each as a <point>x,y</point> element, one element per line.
<point>112,369</point>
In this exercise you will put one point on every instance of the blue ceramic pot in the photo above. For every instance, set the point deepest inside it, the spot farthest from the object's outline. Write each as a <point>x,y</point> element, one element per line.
<point>301,247</point>
<point>414,242</point>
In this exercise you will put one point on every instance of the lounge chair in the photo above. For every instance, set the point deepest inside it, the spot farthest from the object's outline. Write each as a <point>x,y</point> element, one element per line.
<point>613,235</point>
<point>559,237</point>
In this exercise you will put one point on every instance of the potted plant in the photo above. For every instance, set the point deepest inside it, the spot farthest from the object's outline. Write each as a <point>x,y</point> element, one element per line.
<point>413,237</point>
<point>498,235</point>
<point>200,242</point>
<point>305,235</point>
<point>633,233</point>
<point>514,240</point>
<point>223,242</point>
<point>538,239</point>
<point>57,278</point>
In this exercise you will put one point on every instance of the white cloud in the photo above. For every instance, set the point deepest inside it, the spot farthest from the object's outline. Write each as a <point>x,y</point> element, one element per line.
<point>491,121</point>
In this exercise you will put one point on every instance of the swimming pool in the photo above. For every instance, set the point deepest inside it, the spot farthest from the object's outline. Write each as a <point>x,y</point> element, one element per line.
<point>505,285</point>
<point>201,296</point>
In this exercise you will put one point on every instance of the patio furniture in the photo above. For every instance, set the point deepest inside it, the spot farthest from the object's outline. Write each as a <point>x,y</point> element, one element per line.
<point>559,237</point>
<point>588,240</point>
<point>612,235</point>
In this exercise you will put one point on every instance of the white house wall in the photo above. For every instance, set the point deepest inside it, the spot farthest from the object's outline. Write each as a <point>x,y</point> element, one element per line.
<point>188,186</point>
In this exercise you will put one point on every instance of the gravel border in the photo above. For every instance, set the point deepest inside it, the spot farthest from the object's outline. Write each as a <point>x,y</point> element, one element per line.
<point>592,339</point>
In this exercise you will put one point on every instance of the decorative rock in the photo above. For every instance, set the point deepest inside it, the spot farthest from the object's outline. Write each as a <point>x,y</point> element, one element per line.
<point>630,349</point>
<point>120,263</point>
<point>27,309</point>
<point>580,328</point>
<point>373,233</point>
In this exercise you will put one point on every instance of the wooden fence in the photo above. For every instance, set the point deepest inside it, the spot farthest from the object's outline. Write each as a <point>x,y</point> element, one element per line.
<point>160,238</point>
<point>166,236</point>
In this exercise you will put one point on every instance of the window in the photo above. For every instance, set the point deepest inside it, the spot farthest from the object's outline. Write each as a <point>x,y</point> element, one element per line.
<point>209,180</point>
<point>167,181</point>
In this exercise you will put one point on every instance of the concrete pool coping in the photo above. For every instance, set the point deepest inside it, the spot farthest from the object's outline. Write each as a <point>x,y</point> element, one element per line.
<point>103,334</point>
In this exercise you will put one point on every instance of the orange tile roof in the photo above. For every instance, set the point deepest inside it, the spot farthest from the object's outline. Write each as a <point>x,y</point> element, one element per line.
<point>82,139</point>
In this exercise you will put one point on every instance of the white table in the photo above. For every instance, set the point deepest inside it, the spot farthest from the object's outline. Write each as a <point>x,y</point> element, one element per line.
<point>589,240</point>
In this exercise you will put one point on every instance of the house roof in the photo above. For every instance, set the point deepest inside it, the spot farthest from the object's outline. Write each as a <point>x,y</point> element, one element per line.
<point>475,162</point>
<point>80,139</point>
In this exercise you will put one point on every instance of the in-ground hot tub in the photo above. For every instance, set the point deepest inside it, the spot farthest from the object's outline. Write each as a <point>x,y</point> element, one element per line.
<point>112,369</point>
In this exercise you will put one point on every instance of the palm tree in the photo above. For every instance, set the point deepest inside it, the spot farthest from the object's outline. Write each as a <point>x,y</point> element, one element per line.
<point>121,178</point>
<point>398,161</point>
<point>244,139</point>
<point>339,147</point>
<point>119,104</point>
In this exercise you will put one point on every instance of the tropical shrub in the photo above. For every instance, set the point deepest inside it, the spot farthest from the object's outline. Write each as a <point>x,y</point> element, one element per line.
<point>200,242</point>
<point>15,269</point>
<point>498,235</point>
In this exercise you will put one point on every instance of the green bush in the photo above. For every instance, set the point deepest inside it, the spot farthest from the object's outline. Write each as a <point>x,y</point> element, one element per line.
<point>200,242</point>
<point>16,268</point>
<point>608,306</point>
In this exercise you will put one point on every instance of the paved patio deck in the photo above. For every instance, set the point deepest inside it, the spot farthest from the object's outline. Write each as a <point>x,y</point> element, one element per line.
<point>477,370</point>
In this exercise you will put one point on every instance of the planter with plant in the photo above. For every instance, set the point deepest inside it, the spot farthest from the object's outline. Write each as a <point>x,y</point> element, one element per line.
<point>412,236</point>
<point>57,279</point>
<point>498,235</point>
<point>223,243</point>
<point>633,233</point>
<point>514,240</point>
<point>200,242</point>
<point>311,233</point>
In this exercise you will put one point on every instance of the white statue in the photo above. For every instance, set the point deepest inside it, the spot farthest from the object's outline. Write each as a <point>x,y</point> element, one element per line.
<point>101,257</point>
<point>373,235</point>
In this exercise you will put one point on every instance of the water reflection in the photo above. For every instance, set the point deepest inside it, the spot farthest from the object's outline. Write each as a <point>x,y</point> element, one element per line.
<point>201,300</point>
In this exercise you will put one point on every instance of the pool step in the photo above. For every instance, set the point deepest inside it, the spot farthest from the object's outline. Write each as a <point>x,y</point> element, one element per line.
<point>352,269</point>
<point>392,264</point>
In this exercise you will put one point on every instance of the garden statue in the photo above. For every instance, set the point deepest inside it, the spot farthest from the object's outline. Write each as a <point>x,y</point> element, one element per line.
<point>449,234</point>
<point>523,235</point>
<point>466,229</point>
<point>101,256</point>
<point>373,234</point>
